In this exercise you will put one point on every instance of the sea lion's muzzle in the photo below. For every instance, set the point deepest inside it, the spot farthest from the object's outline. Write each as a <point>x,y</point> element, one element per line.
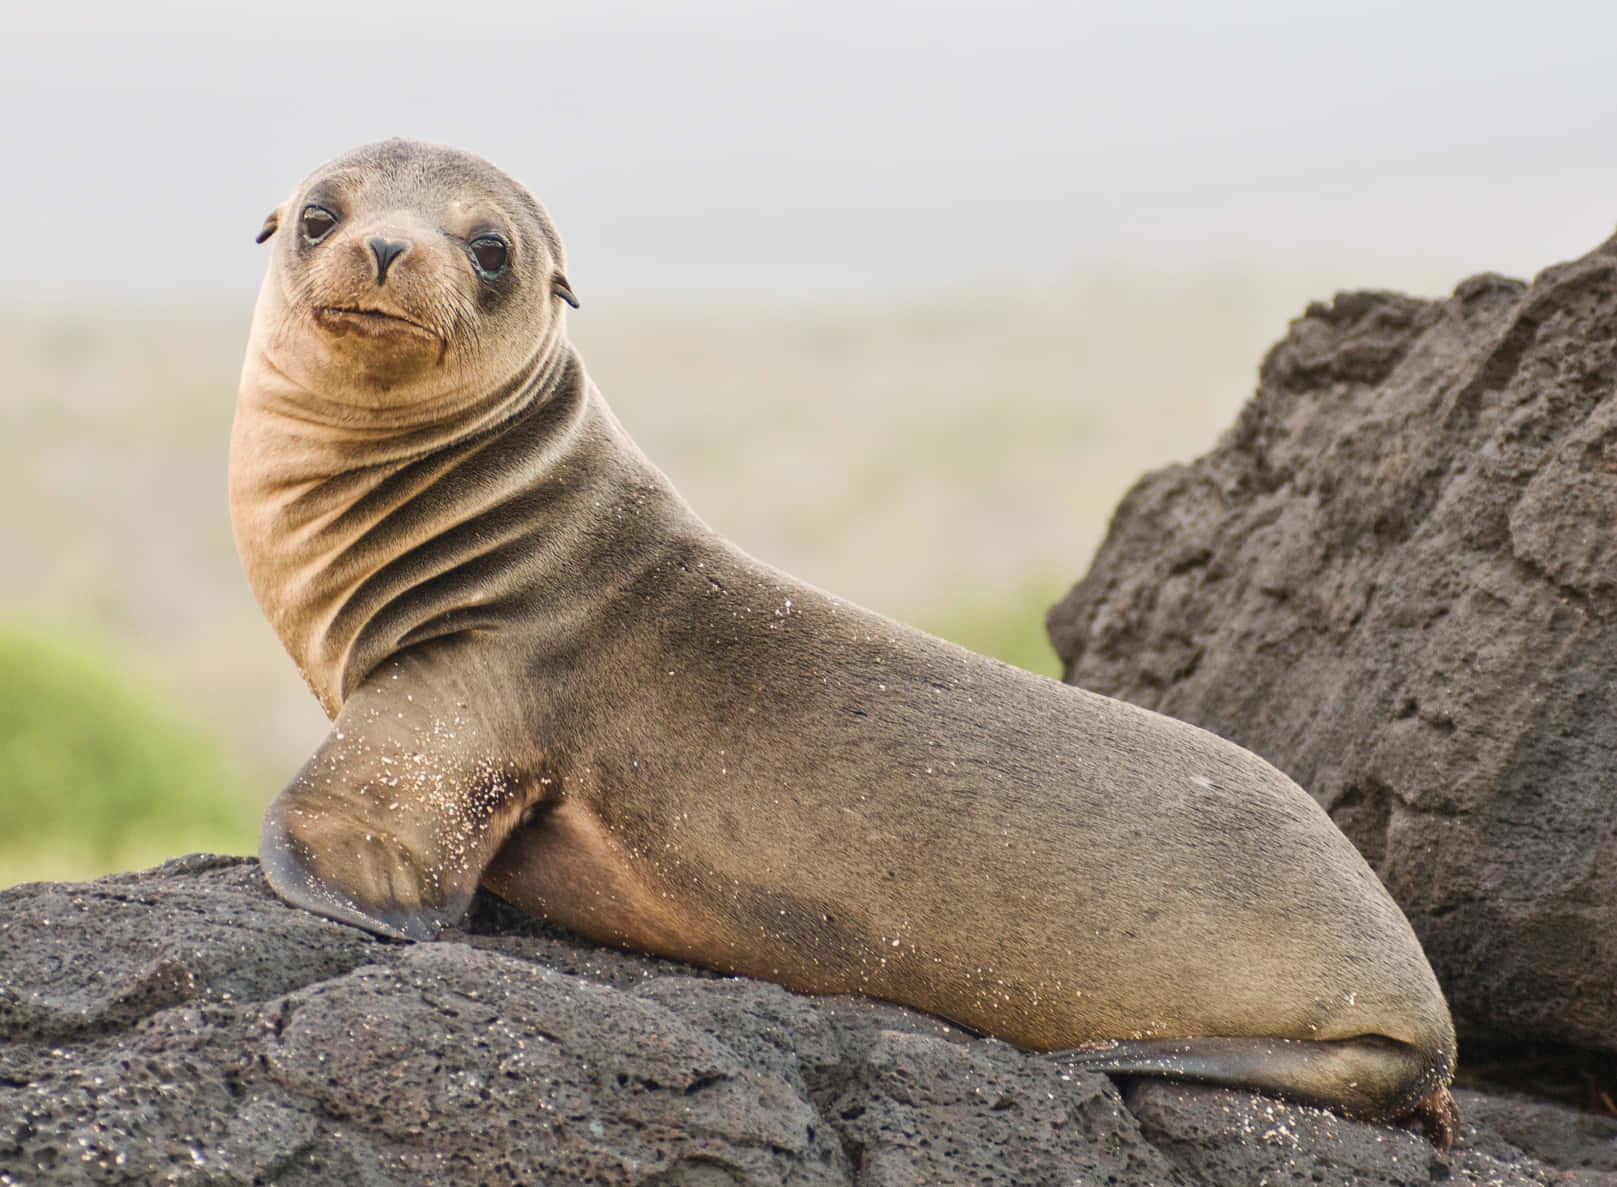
<point>377,288</point>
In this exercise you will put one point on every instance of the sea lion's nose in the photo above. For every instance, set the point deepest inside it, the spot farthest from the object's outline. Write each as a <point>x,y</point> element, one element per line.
<point>385,251</point>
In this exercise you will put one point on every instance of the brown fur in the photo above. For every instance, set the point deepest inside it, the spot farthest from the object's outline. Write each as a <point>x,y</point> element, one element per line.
<point>548,676</point>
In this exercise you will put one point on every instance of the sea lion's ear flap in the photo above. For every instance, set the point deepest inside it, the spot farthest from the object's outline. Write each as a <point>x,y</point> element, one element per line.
<point>562,289</point>
<point>271,224</point>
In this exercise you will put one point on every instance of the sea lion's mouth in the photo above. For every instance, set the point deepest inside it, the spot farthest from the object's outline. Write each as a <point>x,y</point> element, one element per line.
<point>370,323</point>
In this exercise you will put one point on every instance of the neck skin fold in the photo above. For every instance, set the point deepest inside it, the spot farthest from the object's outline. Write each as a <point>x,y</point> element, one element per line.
<point>346,506</point>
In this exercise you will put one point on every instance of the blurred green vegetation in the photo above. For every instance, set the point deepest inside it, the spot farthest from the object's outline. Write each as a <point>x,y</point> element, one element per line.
<point>1010,628</point>
<point>98,770</point>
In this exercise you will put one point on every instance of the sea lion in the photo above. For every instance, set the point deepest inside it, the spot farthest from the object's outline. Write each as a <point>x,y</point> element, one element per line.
<point>550,677</point>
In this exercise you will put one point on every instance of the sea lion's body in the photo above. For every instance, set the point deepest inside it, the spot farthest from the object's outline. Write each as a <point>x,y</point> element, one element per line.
<point>548,676</point>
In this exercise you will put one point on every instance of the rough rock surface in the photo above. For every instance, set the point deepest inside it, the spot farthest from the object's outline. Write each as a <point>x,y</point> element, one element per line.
<point>182,1025</point>
<point>1396,579</point>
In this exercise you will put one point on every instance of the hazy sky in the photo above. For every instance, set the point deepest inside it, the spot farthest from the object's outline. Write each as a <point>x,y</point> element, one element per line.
<point>815,153</point>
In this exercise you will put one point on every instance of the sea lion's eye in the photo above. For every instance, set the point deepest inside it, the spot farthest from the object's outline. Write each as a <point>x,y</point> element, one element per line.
<point>489,254</point>
<point>316,223</point>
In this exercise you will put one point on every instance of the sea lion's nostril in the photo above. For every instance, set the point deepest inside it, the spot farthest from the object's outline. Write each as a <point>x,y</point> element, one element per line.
<point>385,251</point>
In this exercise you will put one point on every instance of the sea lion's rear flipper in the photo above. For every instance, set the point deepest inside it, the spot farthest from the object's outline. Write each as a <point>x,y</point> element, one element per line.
<point>1369,1076</point>
<point>391,823</point>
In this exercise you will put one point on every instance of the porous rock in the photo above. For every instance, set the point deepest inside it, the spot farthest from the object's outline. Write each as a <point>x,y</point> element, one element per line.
<point>182,1025</point>
<point>1396,579</point>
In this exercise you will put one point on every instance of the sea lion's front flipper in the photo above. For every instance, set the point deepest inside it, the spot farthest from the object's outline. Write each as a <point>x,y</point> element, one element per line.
<point>391,823</point>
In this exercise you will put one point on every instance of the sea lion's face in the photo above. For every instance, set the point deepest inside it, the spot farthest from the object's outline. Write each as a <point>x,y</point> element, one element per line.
<point>406,272</point>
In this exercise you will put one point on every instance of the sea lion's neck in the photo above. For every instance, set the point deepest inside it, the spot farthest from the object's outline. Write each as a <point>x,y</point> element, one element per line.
<point>438,530</point>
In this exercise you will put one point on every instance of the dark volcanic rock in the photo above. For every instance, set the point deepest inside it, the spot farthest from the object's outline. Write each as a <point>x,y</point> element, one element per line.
<point>1396,579</point>
<point>182,1025</point>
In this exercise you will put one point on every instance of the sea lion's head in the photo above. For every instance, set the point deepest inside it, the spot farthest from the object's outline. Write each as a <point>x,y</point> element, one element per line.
<point>408,280</point>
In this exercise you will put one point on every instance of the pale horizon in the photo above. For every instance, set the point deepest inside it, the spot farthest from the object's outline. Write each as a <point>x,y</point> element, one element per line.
<point>795,156</point>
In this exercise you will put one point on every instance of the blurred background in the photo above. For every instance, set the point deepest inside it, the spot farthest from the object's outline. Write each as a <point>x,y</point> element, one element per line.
<point>903,297</point>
